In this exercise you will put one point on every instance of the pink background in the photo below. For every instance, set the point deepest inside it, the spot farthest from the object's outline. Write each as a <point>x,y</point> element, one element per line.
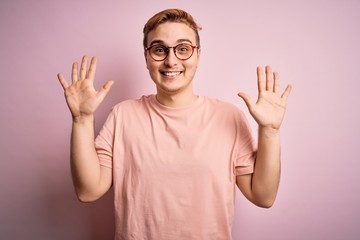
<point>315,45</point>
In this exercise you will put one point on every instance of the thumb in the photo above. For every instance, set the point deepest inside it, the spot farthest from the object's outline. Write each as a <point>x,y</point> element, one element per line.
<point>247,99</point>
<point>105,89</point>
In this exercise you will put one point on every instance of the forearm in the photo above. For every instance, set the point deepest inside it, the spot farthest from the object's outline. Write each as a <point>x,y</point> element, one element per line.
<point>266,176</point>
<point>85,167</point>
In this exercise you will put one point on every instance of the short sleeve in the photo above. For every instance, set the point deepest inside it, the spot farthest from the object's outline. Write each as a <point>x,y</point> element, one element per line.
<point>247,147</point>
<point>104,141</point>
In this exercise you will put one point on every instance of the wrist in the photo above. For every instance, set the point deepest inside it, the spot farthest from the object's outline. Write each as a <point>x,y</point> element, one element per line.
<point>83,119</point>
<point>269,130</point>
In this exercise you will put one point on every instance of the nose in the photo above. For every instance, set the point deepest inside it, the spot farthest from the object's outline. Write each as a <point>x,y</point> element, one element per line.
<point>171,59</point>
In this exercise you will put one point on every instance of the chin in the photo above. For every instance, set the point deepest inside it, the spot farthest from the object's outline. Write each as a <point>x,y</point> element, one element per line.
<point>170,90</point>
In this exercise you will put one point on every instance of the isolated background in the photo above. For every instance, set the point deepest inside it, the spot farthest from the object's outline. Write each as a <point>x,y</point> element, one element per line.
<point>315,45</point>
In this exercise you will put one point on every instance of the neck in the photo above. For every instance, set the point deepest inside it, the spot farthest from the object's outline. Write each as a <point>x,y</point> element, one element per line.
<point>177,99</point>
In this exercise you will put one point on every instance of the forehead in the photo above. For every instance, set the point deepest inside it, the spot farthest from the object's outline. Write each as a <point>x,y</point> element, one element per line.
<point>171,32</point>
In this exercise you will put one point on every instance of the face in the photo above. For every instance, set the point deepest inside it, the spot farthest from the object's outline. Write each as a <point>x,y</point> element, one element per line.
<point>172,76</point>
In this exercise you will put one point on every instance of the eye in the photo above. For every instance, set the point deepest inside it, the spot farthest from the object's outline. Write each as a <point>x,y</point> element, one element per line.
<point>183,48</point>
<point>159,49</point>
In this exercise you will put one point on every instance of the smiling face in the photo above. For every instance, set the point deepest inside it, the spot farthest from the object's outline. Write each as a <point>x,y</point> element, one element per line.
<point>172,76</point>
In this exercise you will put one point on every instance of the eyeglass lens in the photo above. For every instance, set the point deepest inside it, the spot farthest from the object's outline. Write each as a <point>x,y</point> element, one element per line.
<point>182,51</point>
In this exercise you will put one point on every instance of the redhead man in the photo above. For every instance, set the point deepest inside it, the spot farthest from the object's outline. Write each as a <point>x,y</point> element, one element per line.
<point>174,157</point>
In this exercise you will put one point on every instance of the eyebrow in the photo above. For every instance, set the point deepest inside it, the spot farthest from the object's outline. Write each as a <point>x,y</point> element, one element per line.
<point>163,43</point>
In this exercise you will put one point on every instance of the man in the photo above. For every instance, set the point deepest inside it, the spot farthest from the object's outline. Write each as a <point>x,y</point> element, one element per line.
<point>174,158</point>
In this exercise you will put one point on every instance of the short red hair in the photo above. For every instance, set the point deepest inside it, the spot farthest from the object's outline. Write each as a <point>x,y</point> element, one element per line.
<point>171,15</point>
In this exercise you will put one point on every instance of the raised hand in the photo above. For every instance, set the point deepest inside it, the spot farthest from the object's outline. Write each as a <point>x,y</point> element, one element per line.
<point>81,96</point>
<point>269,109</point>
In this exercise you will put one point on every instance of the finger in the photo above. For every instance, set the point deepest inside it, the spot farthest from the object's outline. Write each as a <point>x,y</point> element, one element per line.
<point>92,69</point>
<point>276,83</point>
<point>260,79</point>
<point>105,89</point>
<point>247,99</point>
<point>62,81</point>
<point>83,67</point>
<point>286,93</point>
<point>74,73</point>
<point>269,79</point>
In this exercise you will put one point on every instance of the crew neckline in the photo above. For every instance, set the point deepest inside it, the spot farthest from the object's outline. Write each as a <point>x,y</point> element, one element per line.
<point>197,102</point>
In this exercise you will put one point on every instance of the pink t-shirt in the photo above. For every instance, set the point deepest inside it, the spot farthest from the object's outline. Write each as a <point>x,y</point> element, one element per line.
<point>174,169</point>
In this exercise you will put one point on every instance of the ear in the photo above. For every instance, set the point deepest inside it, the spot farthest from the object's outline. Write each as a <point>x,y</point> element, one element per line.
<point>198,56</point>
<point>146,61</point>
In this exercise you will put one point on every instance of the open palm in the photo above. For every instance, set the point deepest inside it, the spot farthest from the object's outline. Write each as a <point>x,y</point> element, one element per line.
<point>81,96</point>
<point>269,109</point>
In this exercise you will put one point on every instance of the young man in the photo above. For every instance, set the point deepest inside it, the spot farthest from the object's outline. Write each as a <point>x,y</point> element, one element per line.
<point>174,158</point>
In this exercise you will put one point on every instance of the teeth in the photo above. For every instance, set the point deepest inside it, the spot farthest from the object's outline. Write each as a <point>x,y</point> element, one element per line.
<point>171,74</point>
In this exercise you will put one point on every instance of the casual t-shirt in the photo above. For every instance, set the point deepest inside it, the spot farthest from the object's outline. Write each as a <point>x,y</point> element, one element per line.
<point>174,169</point>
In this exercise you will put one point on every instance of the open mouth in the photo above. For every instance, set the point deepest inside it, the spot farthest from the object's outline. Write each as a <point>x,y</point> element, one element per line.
<point>171,74</point>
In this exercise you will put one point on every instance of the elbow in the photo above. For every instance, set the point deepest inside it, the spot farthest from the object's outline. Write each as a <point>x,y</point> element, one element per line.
<point>264,204</point>
<point>86,197</point>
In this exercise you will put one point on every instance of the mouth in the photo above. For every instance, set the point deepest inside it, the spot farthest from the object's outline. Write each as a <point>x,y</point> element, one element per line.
<point>171,73</point>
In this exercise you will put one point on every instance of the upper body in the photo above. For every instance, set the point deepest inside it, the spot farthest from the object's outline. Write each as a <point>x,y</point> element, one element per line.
<point>172,68</point>
<point>174,169</point>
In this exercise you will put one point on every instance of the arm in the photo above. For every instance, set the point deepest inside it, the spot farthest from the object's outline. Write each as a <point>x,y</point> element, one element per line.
<point>261,186</point>
<point>90,179</point>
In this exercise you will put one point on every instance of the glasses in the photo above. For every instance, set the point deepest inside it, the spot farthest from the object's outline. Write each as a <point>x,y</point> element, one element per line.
<point>182,51</point>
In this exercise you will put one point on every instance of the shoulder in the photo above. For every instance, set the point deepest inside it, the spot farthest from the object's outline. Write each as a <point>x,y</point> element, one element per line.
<point>128,111</point>
<point>222,106</point>
<point>132,104</point>
<point>225,111</point>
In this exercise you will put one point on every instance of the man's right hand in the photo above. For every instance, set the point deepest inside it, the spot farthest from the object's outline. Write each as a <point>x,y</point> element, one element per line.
<point>81,96</point>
